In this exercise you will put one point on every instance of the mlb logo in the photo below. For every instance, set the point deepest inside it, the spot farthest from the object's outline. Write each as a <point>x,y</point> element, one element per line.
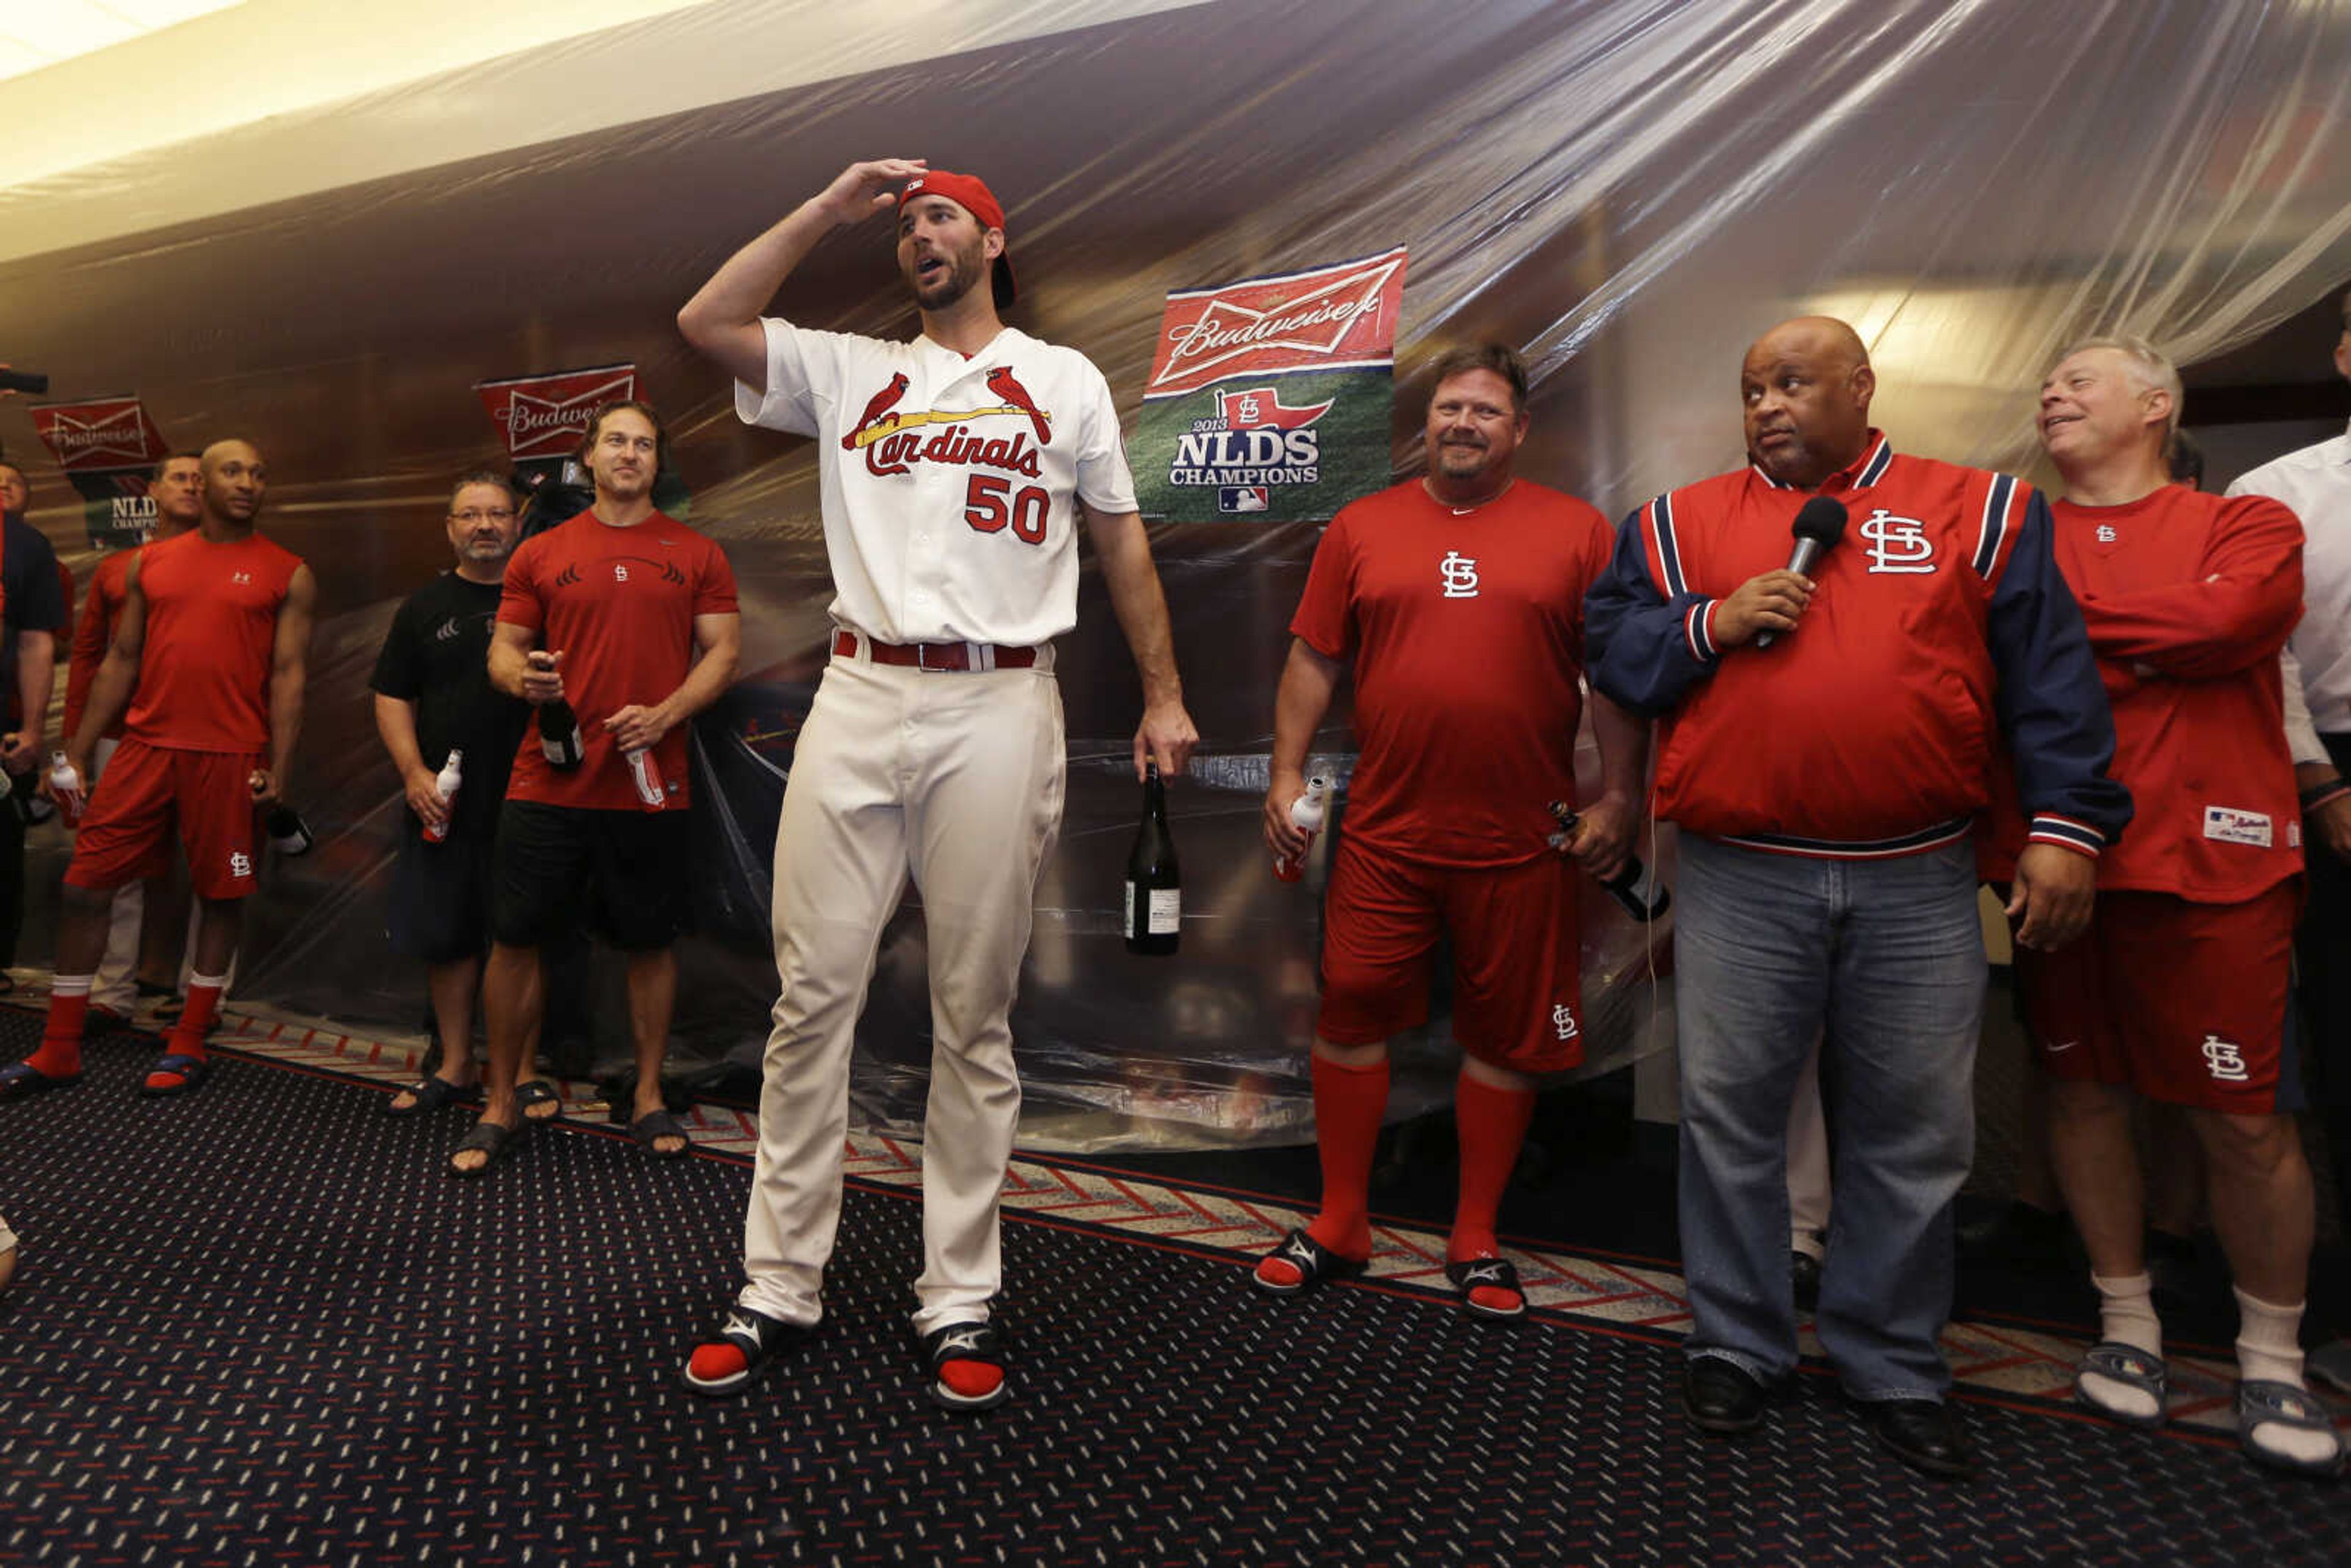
<point>1243,498</point>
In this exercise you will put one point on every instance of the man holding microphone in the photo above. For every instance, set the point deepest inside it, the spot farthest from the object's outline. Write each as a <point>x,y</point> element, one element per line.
<point>1825,739</point>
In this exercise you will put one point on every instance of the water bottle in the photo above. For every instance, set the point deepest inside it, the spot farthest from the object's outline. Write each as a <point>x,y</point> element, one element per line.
<point>65,788</point>
<point>1307,813</point>
<point>445,784</point>
<point>644,771</point>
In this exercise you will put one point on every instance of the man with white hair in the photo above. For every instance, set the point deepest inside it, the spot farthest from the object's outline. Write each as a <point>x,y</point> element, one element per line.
<point>2178,990</point>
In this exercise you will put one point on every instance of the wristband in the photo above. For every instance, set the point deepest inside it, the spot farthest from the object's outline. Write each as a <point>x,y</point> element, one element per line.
<point>2320,795</point>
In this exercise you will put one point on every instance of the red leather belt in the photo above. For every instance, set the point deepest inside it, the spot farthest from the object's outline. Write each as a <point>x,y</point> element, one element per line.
<point>935,656</point>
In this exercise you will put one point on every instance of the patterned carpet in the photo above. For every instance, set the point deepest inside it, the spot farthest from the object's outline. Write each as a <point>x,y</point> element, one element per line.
<point>259,1326</point>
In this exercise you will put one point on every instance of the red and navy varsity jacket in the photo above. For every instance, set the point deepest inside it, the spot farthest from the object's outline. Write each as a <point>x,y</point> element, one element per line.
<point>1940,625</point>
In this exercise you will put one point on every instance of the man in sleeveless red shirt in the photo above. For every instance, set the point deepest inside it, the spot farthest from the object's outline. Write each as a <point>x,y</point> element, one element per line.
<point>629,617</point>
<point>209,655</point>
<point>1459,599</point>
<point>2180,988</point>
<point>157,907</point>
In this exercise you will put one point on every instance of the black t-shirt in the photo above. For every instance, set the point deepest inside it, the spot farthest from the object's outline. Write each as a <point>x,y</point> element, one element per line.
<point>35,600</point>
<point>437,655</point>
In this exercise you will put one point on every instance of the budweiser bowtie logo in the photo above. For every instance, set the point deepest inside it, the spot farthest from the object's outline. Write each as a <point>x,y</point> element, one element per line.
<point>547,415</point>
<point>1333,318</point>
<point>103,433</point>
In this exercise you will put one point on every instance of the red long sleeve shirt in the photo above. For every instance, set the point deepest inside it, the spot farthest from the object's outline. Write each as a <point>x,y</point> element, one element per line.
<point>2188,598</point>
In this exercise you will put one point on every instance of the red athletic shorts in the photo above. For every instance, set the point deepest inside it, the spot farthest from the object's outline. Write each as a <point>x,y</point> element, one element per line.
<point>2184,1002</point>
<point>1516,989</point>
<point>125,835</point>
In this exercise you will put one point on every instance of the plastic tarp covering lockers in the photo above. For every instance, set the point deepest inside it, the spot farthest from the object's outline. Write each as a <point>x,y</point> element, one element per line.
<point>1628,190</point>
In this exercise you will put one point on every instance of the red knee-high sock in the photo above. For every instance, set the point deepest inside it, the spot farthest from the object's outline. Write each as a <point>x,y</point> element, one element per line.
<point>59,1055</point>
<point>187,1036</point>
<point>1492,1125</point>
<point>1348,1104</point>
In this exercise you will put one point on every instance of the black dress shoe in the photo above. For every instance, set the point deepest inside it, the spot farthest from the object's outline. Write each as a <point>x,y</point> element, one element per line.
<point>1722,1396</point>
<point>1804,1275</point>
<point>1923,1434</point>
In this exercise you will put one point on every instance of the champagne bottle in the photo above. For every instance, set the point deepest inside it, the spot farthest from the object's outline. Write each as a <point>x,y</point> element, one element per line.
<point>288,833</point>
<point>1154,889</point>
<point>558,735</point>
<point>1640,893</point>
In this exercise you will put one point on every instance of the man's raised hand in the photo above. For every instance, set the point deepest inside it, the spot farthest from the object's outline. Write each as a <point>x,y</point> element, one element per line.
<point>861,189</point>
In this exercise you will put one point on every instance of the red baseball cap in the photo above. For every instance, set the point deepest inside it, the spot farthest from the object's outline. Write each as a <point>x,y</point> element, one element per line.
<point>970,193</point>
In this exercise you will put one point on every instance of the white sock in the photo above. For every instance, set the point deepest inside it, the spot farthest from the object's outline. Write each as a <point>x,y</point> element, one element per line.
<point>2269,1349</point>
<point>2269,1340</point>
<point>2126,1316</point>
<point>2127,1312</point>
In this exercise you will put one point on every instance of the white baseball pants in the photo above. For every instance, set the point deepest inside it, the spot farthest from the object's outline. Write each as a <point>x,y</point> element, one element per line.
<point>956,777</point>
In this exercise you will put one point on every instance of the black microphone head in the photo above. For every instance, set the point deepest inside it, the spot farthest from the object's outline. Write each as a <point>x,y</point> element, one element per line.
<point>1821,519</point>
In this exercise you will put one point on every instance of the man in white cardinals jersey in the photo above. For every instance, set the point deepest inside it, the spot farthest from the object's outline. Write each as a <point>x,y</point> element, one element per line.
<point>955,470</point>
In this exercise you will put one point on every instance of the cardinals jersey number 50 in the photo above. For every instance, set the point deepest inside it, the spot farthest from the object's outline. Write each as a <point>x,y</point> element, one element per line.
<point>949,485</point>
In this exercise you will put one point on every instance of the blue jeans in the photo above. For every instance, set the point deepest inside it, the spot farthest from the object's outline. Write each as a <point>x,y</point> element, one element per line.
<point>1884,961</point>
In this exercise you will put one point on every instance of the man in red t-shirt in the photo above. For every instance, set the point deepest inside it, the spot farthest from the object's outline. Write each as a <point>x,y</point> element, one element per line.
<point>210,657</point>
<point>628,617</point>
<point>1459,599</point>
<point>159,905</point>
<point>2180,988</point>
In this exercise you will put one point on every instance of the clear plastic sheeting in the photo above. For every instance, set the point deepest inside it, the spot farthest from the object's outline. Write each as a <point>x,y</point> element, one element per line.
<point>1629,190</point>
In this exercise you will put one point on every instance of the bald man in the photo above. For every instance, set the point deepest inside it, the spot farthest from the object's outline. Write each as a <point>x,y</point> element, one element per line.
<point>208,657</point>
<point>1826,742</point>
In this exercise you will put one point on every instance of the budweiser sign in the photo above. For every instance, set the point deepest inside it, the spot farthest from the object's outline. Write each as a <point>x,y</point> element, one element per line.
<point>99,434</point>
<point>547,415</point>
<point>1334,318</point>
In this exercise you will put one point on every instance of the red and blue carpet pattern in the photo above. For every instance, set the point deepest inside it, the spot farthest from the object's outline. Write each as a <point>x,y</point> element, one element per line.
<point>259,1326</point>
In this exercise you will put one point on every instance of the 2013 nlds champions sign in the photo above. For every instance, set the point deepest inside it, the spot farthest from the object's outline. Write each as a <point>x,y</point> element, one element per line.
<point>1268,398</point>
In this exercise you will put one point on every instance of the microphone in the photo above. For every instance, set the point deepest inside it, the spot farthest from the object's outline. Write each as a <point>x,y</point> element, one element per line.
<point>1819,524</point>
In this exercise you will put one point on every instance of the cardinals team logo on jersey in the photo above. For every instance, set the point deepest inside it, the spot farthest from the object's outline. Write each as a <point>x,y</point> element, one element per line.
<point>2225,1058</point>
<point>895,439</point>
<point>1460,575</point>
<point>1898,544</point>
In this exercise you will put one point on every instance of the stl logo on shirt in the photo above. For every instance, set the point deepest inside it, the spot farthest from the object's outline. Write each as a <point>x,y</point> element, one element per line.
<point>2106,533</point>
<point>1461,572</point>
<point>245,578</point>
<point>1562,1018</point>
<point>240,864</point>
<point>1898,544</point>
